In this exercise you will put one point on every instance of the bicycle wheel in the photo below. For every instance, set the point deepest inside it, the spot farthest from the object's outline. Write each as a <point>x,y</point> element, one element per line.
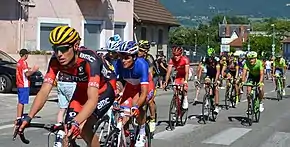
<point>279,90</point>
<point>233,98</point>
<point>213,115</point>
<point>183,116</point>
<point>103,127</point>
<point>173,117</point>
<point>257,109</point>
<point>148,135</point>
<point>112,139</point>
<point>206,108</point>
<point>249,111</point>
<point>227,97</point>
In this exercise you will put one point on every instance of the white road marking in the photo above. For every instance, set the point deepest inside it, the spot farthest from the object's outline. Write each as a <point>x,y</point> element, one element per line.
<point>227,137</point>
<point>278,139</point>
<point>178,131</point>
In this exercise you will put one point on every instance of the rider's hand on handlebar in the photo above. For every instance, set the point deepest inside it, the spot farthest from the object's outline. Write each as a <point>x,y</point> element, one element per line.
<point>164,85</point>
<point>72,129</point>
<point>25,122</point>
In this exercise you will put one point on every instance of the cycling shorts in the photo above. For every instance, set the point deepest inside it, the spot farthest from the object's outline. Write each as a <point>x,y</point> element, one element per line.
<point>253,79</point>
<point>231,72</point>
<point>105,101</point>
<point>279,71</point>
<point>131,94</point>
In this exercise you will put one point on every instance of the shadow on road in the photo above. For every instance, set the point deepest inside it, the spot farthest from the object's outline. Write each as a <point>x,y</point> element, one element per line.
<point>244,120</point>
<point>271,98</point>
<point>53,100</point>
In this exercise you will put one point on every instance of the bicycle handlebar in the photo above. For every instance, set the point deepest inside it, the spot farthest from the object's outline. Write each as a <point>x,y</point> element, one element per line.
<point>173,85</point>
<point>49,127</point>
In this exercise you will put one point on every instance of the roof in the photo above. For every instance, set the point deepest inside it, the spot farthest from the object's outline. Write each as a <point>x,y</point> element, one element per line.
<point>238,42</point>
<point>152,11</point>
<point>226,30</point>
<point>287,40</point>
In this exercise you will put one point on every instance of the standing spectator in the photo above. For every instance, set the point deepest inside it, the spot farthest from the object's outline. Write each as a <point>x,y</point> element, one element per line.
<point>268,69</point>
<point>162,68</point>
<point>22,81</point>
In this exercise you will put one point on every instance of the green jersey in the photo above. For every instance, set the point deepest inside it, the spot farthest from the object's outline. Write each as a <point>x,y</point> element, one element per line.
<point>280,64</point>
<point>254,69</point>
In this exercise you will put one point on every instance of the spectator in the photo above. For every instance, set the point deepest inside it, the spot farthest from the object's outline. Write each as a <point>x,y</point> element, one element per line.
<point>162,67</point>
<point>268,69</point>
<point>22,81</point>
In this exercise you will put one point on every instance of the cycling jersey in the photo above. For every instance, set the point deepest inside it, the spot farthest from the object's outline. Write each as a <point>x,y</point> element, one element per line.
<point>135,77</point>
<point>254,69</point>
<point>212,68</point>
<point>90,70</point>
<point>179,65</point>
<point>280,64</point>
<point>150,60</point>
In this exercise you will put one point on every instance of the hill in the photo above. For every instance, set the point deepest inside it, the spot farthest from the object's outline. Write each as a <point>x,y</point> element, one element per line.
<point>199,10</point>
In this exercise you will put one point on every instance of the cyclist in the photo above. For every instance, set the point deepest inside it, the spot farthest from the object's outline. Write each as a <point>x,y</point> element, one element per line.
<point>255,68</point>
<point>201,73</point>
<point>231,70</point>
<point>112,45</point>
<point>279,67</point>
<point>213,75</point>
<point>139,87</point>
<point>181,64</point>
<point>96,83</point>
<point>144,48</point>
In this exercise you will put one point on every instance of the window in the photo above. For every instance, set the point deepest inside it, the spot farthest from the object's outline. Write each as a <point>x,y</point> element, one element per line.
<point>119,29</point>
<point>160,36</point>
<point>143,33</point>
<point>92,33</point>
<point>45,29</point>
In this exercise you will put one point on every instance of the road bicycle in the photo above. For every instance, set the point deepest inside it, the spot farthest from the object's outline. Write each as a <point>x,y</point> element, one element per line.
<point>231,94</point>
<point>253,111</point>
<point>208,106</point>
<point>279,84</point>
<point>177,115</point>
<point>118,137</point>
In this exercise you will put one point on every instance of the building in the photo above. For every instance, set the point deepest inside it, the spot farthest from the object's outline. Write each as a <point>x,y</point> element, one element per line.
<point>26,24</point>
<point>233,35</point>
<point>286,48</point>
<point>152,22</point>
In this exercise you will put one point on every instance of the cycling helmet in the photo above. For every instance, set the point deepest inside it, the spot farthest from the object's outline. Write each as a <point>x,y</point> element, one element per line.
<point>112,45</point>
<point>144,44</point>
<point>63,35</point>
<point>116,37</point>
<point>252,54</point>
<point>177,50</point>
<point>210,51</point>
<point>129,47</point>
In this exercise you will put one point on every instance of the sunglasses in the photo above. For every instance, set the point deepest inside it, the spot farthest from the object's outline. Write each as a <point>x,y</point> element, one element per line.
<point>62,49</point>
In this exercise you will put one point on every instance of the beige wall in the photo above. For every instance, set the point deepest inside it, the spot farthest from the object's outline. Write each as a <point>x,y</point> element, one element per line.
<point>74,12</point>
<point>152,36</point>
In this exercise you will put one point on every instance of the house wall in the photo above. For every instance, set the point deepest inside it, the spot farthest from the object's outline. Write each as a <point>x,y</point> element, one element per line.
<point>286,50</point>
<point>159,44</point>
<point>26,33</point>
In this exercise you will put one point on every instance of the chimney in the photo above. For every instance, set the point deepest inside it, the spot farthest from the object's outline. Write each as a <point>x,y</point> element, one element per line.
<point>242,32</point>
<point>228,31</point>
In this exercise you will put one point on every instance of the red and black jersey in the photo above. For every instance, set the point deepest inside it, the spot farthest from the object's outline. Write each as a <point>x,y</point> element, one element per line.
<point>89,70</point>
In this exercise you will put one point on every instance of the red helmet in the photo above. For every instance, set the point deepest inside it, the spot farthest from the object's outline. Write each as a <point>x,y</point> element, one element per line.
<point>177,50</point>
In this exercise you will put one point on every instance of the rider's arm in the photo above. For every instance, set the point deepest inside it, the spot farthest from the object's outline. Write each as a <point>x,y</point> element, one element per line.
<point>237,71</point>
<point>245,70</point>
<point>45,89</point>
<point>93,69</point>
<point>144,81</point>
<point>217,72</point>
<point>261,74</point>
<point>186,70</point>
<point>223,71</point>
<point>169,68</point>
<point>273,68</point>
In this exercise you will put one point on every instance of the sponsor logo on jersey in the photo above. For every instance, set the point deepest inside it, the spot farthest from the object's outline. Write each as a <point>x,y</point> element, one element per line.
<point>103,103</point>
<point>88,57</point>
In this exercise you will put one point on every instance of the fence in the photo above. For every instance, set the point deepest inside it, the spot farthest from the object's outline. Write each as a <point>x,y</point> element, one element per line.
<point>189,51</point>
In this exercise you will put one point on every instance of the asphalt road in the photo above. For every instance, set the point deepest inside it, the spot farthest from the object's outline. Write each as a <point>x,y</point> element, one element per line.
<point>273,130</point>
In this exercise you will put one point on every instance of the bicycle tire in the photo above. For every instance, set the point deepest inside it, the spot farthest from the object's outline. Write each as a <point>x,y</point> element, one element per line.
<point>213,115</point>
<point>113,136</point>
<point>250,111</point>
<point>279,91</point>
<point>172,106</point>
<point>257,109</point>
<point>148,134</point>
<point>183,115</point>
<point>104,121</point>
<point>233,98</point>
<point>227,96</point>
<point>205,117</point>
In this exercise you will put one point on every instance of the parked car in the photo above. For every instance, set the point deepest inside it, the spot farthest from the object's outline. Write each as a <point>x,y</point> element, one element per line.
<point>8,75</point>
